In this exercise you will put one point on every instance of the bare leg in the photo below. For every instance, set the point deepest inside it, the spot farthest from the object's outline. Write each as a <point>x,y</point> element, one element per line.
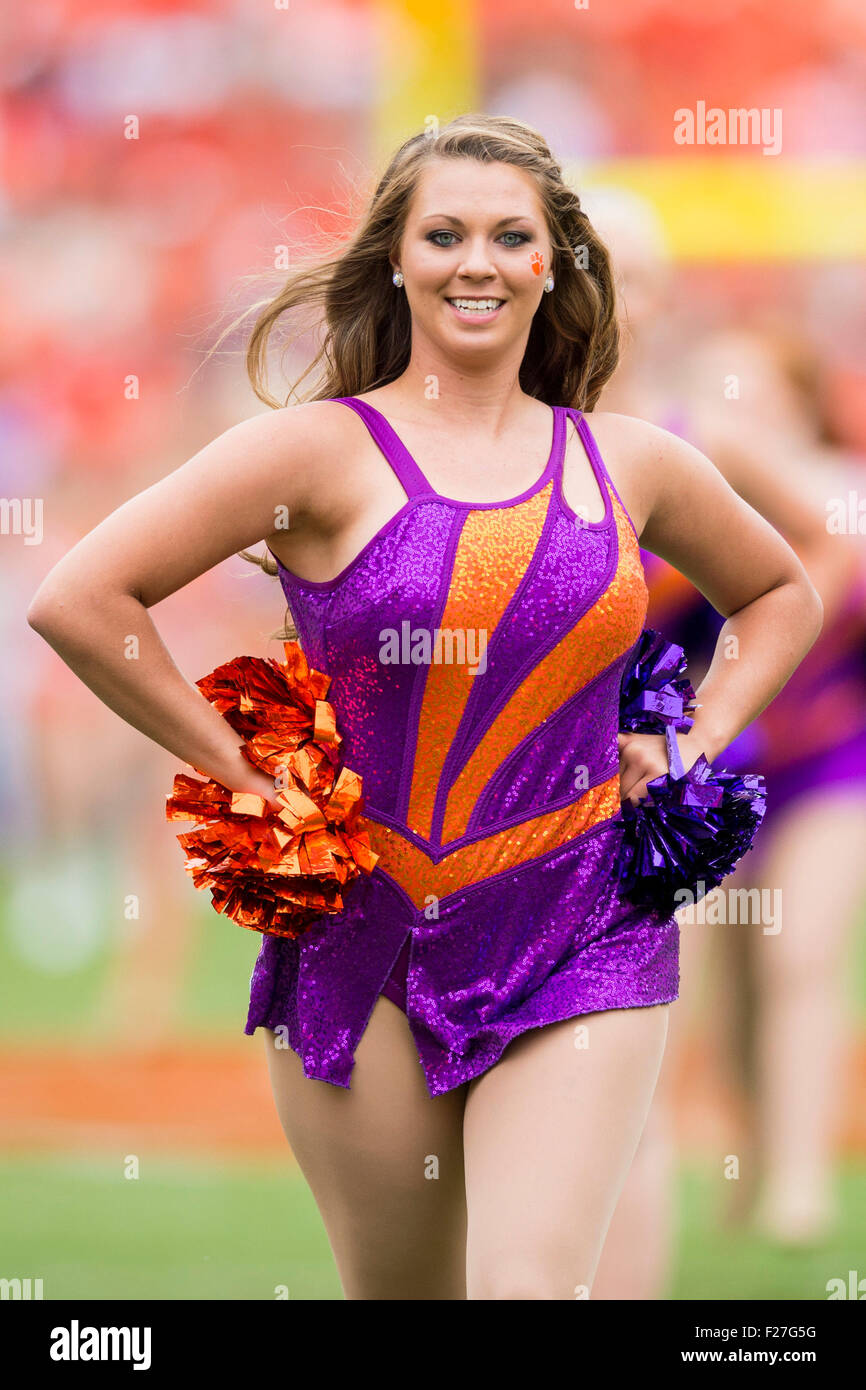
<point>638,1250</point>
<point>816,859</point>
<point>384,1162</point>
<point>549,1134</point>
<point>638,1255</point>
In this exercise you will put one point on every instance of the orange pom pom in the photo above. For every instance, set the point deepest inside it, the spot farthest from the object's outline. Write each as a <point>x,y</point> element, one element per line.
<point>275,871</point>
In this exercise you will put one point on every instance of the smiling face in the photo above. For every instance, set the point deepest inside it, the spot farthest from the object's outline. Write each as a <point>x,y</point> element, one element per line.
<point>475,255</point>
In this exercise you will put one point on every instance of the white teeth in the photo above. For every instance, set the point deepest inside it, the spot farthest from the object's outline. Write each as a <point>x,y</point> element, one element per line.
<point>477,305</point>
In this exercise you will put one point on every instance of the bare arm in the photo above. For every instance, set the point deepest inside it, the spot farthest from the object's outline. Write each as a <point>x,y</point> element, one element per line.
<point>92,606</point>
<point>746,570</point>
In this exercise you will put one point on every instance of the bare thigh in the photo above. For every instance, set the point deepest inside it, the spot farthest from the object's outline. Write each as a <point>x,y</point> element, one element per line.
<point>549,1135</point>
<point>384,1162</point>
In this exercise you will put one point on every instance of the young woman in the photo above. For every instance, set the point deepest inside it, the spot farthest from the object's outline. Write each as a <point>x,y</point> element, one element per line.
<point>473,1043</point>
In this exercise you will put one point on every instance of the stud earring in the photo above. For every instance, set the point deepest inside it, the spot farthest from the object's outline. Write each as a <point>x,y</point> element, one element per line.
<point>397,277</point>
<point>548,284</point>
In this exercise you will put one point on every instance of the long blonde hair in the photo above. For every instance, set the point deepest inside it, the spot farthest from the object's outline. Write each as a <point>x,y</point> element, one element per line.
<point>573,345</point>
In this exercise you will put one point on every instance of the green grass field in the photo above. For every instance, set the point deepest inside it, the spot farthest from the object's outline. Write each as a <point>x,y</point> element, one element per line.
<point>234,1231</point>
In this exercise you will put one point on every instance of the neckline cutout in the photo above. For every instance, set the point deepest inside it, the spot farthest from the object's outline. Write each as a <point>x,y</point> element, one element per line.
<point>603,480</point>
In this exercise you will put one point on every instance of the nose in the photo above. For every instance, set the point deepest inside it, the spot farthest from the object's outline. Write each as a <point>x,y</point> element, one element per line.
<point>476,261</point>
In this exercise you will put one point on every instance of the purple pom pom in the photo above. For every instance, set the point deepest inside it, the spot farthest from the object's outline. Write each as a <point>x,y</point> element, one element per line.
<point>655,690</point>
<point>687,834</point>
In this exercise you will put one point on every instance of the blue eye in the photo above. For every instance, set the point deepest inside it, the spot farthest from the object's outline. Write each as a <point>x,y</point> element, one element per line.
<point>522,238</point>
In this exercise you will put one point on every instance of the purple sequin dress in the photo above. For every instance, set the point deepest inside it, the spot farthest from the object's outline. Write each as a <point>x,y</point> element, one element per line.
<point>476,652</point>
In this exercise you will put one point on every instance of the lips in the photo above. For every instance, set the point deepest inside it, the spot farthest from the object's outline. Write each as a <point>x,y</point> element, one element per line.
<point>476,303</point>
<point>476,308</point>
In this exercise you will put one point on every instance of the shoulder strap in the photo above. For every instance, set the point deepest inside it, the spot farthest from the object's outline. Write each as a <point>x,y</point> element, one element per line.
<point>605,481</point>
<point>395,451</point>
<point>588,440</point>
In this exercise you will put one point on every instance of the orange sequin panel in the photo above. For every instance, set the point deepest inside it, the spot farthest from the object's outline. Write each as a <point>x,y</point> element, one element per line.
<point>505,849</point>
<point>493,552</point>
<point>606,630</point>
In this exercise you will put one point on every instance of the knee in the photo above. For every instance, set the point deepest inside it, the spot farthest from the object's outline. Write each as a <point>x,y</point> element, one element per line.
<point>507,1278</point>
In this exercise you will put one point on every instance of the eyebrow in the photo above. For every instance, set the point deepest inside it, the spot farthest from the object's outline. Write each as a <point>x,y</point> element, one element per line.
<point>446,217</point>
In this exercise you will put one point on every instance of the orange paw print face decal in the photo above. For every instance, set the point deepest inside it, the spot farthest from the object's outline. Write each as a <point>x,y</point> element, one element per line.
<point>536,260</point>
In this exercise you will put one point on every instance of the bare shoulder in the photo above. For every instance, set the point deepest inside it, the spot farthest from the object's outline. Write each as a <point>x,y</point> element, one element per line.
<point>635,441</point>
<point>296,457</point>
<point>641,458</point>
<point>681,504</point>
<point>262,471</point>
<point>297,442</point>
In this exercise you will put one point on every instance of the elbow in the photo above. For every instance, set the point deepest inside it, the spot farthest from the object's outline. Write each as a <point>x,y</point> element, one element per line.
<point>814,611</point>
<point>44,610</point>
<point>806,607</point>
<point>63,606</point>
<point>38,615</point>
<point>44,621</point>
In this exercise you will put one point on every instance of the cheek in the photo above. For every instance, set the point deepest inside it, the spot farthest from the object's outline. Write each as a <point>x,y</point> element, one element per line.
<point>527,270</point>
<point>426,269</point>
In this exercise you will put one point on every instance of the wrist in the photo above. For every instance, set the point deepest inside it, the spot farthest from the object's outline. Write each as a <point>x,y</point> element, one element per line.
<point>706,738</point>
<point>224,767</point>
<point>235,771</point>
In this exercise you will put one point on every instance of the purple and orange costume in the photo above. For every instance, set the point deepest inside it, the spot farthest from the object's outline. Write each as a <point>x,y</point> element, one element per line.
<point>491,787</point>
